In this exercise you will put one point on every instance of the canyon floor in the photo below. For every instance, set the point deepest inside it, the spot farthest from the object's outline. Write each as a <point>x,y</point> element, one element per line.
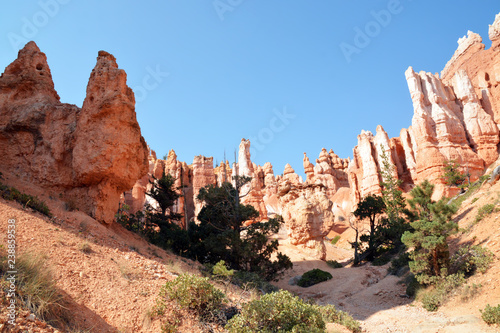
<point>113,286</point>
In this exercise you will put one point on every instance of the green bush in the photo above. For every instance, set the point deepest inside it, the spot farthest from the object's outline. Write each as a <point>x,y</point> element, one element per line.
<point>335,240</point>
<point>491,315</point>
<point>412,285</point>
<point>193,293</point>
<point>471,259</point>
<point>397,264</point>
<point>483,211</point>
<point>431,301</point>
<point>277,312</point>
<point>332,315</point>
<point>334,264</point>
<point>313,277</point>
<point>13,194</point>
<point>382,260</point>
<point>283,312</point>
<point>444,287</point>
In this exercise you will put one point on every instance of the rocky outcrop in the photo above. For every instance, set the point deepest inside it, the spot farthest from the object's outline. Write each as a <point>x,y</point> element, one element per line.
<point>109,152</point>
<point>481,130</point>
<point>78,152</point>
<point>330,171</point>
<point>494,31</point>
<point>467,45</point>
<point>290,175</point>
<point>438,128</point>
<point>308,216</point>
<point>203,175</point>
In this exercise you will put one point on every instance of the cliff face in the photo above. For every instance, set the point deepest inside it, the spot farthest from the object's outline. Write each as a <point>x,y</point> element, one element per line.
<point>90,155</point>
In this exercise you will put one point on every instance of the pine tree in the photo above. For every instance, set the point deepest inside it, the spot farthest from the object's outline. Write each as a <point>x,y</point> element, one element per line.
<point>391,193</point>
<point>429,239</point>
<point>452,175</point>
<point>221,234</point>
<point>170,235</point>
<point>370,207</point>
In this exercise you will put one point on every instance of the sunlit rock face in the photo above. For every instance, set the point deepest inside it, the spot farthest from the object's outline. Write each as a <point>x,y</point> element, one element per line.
<point>92,154</point>
<point>308,216</point>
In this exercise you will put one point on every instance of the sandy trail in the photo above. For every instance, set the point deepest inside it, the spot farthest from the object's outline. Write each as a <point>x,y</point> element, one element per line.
<point>374,298</point>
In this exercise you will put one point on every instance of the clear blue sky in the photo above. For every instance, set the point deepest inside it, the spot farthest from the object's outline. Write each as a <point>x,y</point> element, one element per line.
<point>233,65</point>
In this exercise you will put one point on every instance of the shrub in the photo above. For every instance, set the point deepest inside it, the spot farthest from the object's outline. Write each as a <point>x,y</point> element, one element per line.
<point>471,259</point>
<point>220,270</point>
<point>335,240</point>
<point>313,277</point>
<point>36,288</point>
<point>483,211</point>
<point>412,285</point>
<point>382,260</point>
<point>277,312</point>
<point>193,293</point>
<point>11,193</point>
<point>85,248</point>
<point>245,279</point>
<point>491,315</point>
<point>332,315</point>
<point>444,287</point>
<point>431,301</point>
<point>334,264</point>
<point>399,264</point>
<point>470,292</point>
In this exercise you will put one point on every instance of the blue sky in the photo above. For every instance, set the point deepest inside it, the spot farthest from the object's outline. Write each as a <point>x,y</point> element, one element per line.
<point>292,76</point>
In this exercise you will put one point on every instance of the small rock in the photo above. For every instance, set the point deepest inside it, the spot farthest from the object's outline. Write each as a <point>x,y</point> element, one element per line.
<point>293,281</point>
<point>31,317</point>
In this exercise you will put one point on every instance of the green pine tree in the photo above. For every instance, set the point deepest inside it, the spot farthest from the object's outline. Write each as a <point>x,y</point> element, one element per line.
<point>431,229</point>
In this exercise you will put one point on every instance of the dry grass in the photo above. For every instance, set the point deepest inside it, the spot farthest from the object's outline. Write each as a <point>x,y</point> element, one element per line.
<point>36,288</point>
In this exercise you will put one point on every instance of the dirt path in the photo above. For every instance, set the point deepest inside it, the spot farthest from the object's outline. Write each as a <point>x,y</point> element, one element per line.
<point>375,298</point>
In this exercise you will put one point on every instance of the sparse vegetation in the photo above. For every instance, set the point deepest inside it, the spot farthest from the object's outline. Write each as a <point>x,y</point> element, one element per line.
<point>36,288</point>
<point>313,277</point>
<point>491,315</point>
<point>335,240</point>
<point>11,193</point>
<point>334,264</point>
<point>470,291</point>
<point>283,312</point>
<point>484,211</point>
<point>453,176</point>
<point>443,288</point>
<point>192,293</point>
<point>471,259</point>
<point>85,247</point>
<point>467,261</point>
<point>70,205</point>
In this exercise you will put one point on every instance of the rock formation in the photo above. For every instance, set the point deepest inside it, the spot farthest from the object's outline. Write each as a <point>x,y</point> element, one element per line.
<point>308,216</point>
<point>456,117</point>
<point>77,152</point>
<point>203,175</point>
